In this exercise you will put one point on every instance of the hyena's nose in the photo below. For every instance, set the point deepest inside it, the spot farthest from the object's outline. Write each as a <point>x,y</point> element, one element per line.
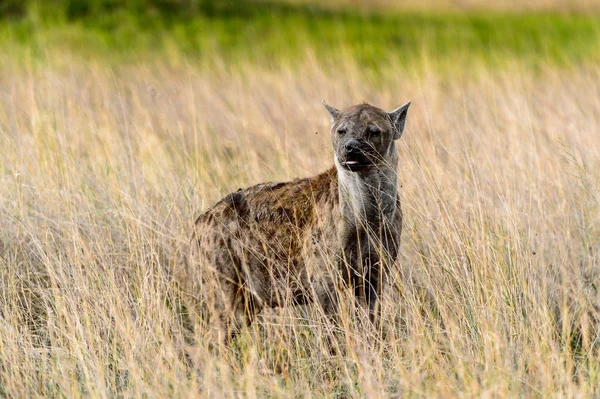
<point>352,146</point>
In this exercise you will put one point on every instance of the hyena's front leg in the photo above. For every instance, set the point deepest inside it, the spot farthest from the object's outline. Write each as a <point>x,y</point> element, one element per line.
<point>361,270</point>
<point>368,284</point>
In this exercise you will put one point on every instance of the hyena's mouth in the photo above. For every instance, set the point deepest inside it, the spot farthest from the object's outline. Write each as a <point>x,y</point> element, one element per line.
<point>356,164</point>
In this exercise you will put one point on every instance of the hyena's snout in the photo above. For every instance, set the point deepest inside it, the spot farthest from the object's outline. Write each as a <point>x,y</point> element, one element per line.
<point>354,146</point>
<point>357,155</point>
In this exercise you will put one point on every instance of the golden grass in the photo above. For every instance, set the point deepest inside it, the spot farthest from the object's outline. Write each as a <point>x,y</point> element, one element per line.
<point>104,171</point>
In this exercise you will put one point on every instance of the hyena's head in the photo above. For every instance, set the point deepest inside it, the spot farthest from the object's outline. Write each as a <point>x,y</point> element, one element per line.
<point>363,136</point>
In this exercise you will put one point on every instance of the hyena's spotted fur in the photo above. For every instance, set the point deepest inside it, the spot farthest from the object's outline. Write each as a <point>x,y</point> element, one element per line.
<point>296,242</point>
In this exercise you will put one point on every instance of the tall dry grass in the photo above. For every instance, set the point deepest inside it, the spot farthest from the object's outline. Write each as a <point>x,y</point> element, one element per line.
<point>104,170</point>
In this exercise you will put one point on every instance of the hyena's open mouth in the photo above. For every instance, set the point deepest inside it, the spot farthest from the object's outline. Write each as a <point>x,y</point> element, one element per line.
<point>357,165</point>
<point>358,162</point>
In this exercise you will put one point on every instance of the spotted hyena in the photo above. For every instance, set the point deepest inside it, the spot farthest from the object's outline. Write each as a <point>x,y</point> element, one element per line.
<point>297,242</point>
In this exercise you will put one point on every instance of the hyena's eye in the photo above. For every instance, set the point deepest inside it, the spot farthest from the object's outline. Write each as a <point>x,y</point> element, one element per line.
<point>374,131</point>
<point>341,131</point>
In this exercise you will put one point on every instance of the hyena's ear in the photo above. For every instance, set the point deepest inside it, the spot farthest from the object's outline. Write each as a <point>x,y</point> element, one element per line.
<point>398,118</point>
<point>333,113</point>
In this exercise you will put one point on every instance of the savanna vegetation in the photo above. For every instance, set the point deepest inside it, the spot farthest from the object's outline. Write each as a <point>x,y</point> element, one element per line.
<point>121,121</point>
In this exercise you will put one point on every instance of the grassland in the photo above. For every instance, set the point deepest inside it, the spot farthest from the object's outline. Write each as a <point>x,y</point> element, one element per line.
<point>110,148</point>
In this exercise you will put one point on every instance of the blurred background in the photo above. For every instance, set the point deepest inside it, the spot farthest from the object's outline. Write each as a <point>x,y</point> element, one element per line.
<point>375,33</point>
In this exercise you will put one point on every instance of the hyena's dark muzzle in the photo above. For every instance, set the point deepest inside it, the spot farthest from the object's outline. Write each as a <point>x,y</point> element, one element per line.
<point>357,155</point>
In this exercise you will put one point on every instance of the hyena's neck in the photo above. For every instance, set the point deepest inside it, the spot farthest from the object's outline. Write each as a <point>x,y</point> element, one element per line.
<point>371,196</point>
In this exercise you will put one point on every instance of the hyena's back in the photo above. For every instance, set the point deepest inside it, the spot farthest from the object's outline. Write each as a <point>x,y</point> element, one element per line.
<point>266,245</point>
